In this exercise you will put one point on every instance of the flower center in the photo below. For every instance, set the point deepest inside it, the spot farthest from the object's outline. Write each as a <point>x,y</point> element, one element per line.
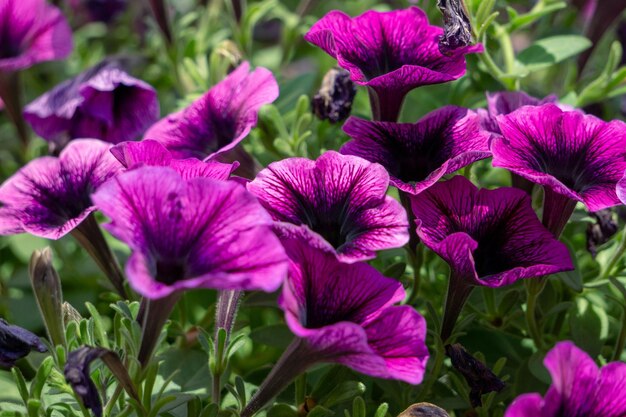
<point>169,272</point>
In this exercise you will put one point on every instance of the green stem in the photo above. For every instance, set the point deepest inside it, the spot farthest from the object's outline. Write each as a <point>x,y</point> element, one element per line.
<point>534,287</point>
<point>440,355</point>
<point>508,54</point>
<point>111,403</point>
<point>417,259</point>
<point>621,339</point>
<point>615,257</point>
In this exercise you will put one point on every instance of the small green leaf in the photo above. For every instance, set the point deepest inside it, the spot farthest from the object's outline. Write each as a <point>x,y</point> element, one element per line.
<point>358,407</point>
<point>395,270</point>
<point>21,383</point>
<point>282,410</point>
<point>589,326</point>
<point>345,391</point>
<point>381,411</point>
<point>552,50</point>
<point>319,411</point>
<point>41,377</point>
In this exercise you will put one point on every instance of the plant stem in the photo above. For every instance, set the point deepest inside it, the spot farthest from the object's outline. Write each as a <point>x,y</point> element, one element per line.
<point>458,293</point>
<point>621,339</point>
<point>10,93</point>
<point>617,254</point>
<point>534,287</point>
<point>385,107</point>
<point>557,210</point>
<point>156,314</point>
<point>440,355</point>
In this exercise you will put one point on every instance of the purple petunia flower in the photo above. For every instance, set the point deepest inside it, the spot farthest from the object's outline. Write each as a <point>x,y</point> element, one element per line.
<point>488,237</point>
<point>579,388</point>
<point>32,31</point>
<point>505,102</point>
<point>16,342</point>
<point>417,155</point>
<point>575,157</point>
<point>341,198</point>
<point>50,197</point>
<point>103,102</point>
<point>221,118</point>
<point>196,233</point>
<point>389,52</point>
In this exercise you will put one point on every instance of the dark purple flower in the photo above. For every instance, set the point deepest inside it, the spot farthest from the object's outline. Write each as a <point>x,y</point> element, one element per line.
<point>32,31</point>
<point>99,10</point>
<point>196,233</point>
<point>579,388</point>
<point>220,119</point>
<point>488,237</point>
<point>417,155</point>
<point>601,230</point>
<point>49,197</point>
<point>103,102</point>
<point>152,153</point>
<point>341,198</point>
<point>457,26</point>
<point>16,342</point>
<point>333,101</point>
<point>505,102</point>
<point>389,52</point>
<point>575,157</point>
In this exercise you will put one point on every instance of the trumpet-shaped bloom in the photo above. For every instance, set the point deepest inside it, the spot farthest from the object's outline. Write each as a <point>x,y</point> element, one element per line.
<point>488,237</point>
<point>152,153</point>
<point>221,118</point>
<point>417,155</point>
<point>195,233</point>
<point>103,102</point>
<point>389,52</point>
<point>50,196</point>
<point>32,31</point>
<point>345,314</point>
<point>341,198</point>
<point>579,388</point>
<point>505,102</point>
<point>16,342</point>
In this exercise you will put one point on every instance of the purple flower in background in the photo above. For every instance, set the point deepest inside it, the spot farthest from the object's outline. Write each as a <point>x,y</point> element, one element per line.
<point>99,10</point>
<point>417,155</point>
<point>341,198</point>
<point>16,343</point>
<point>152,153</point>
<point>488,237</point>
<point>579,388</point>
<point>505,102</point>
<point>103,102</point>
<point>32,31</point>
<point>196,233</point>
<point>221,118</point>
<point>49,197</point>
<point>389,52</point>
<point>575,157</point>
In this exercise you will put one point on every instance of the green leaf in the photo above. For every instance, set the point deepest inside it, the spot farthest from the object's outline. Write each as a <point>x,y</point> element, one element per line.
<point>275,335</point>
<point>552,50</point>
<point>282,410</point>
<point>589,326</point>
<point>319,411</point>
<point>381,411</point>
<point>41,377</point>
<point>358,407</point>
<point>343,392</point>
<point>395,270</point>
<point>21,383</point>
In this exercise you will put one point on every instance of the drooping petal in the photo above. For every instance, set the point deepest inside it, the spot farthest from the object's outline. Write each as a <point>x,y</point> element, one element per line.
<point>526,405</point>
<point>221,118</point>
<point>16,343</point>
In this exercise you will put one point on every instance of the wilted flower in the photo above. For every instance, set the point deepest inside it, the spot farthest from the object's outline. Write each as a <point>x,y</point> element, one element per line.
<point>417,155</point>
<point>457,26</point>
<point>389,52</point>
<point>342,199</point>
<point>601,231</point>
<point>424,410</point>
<point>575,157</point>
<point>344,313</point>
<point>488,237</point>
<point>16,342</point>
<point>32,31</point>
<point>220,119</point>
<point>333,102</point>
<point>196,233</point>
<point>579,388</point>
<point>505,102</point>
<point>103,102</point>
<point>99,10</point>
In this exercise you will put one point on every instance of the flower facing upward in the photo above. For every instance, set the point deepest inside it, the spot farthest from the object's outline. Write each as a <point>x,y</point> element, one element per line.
<point>195,233</point>
<point>103,102</point>
<point>389,52</point>
<point>579,388</point>
<point>32,31</point>
<point>50,196</point>
<point>417,155</point>
<point>221,118</point>
<point>341,198</point>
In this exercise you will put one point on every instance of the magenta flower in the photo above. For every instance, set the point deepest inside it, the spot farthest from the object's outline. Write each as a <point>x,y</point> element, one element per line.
<point>49,197</point>
<point>32,31</point>
<point>389,52</point>
<point>103,102</point>
<point>344,313</point>
<point>488,237</point>
<point>417,155</point>
<point>196,233</point>
<point>579,388</point>
<point>341,198</point>
<point>505,102</point>
<point>575,157</point>
<point>221,118</point>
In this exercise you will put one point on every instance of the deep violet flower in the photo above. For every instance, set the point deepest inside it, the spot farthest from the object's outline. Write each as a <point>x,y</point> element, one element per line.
<point>333,101</point>
<point>32,31</point>
<point>575,157</point>
<point>99,10</point>
<point>488,237</point>
<point>505,102</point>
<point>344,313</point>
<point>16,342</point>
<point>389,52</point>
<point>341,198</point>
<point>579,388</point>
<point>196,233</point>
<point>220,119</point>
<point>103,102</point>
<point>417,155</point>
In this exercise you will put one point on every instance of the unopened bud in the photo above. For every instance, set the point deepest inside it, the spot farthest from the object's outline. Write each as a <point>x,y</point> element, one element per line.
<point>334,100</point>
<point>70,313</point>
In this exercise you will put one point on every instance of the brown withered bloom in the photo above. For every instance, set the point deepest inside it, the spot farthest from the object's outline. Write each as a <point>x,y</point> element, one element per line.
<point>601,231</point>
<point>424,410</point>
<point>333,101</point>
<point>457,27</point>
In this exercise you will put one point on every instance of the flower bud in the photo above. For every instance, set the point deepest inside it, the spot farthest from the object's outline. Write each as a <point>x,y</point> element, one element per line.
<point>70,313</point>
<point>333,102</point>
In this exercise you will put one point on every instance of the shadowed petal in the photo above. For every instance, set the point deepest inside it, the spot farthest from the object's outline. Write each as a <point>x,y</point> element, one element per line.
<point>526,405</point>
<point>16,343</point>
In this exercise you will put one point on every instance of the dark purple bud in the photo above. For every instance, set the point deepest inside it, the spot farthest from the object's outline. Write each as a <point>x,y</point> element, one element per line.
<point>457,28</point>
<point>601,231</point>
<point>99,10</point>
<point>424,410</point>
<point>333,102</point>
<point>268,31</point>
<point>16,342</point>
<point>479,377</point>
